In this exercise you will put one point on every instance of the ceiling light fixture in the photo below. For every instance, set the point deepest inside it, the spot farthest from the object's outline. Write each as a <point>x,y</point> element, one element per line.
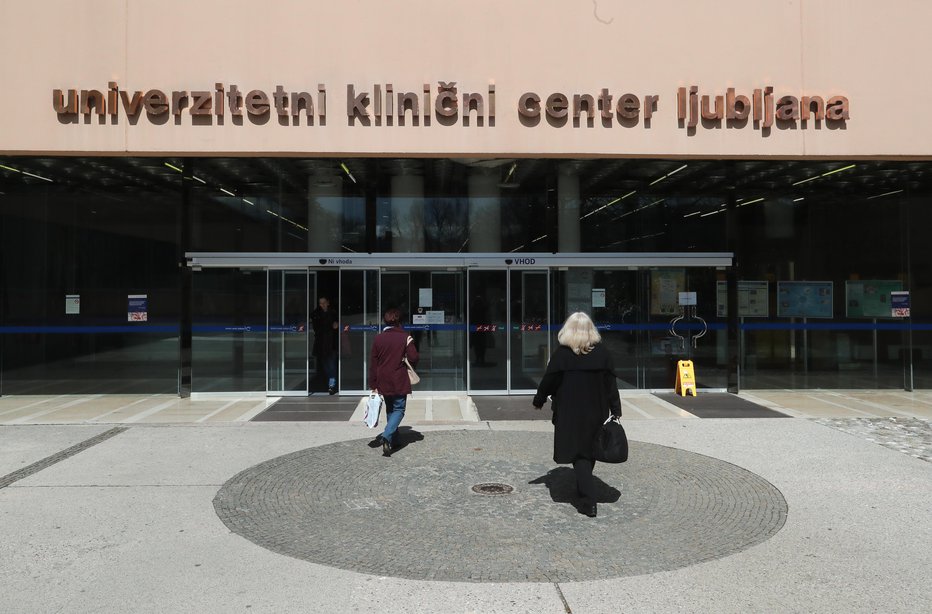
<point>639,209</point>
<point>16,170</point>
<point>673,172</point>
<point>884,194</point>
<point>347,171</point>
<point>609,204</point>
<point>533,241</point>
<point>37,176</point>
<point>642,237</point>
<point>511,171</point>
<point>837,170</point>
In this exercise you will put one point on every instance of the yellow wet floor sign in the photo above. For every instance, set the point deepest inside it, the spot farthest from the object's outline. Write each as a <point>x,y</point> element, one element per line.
<point>685,378</point>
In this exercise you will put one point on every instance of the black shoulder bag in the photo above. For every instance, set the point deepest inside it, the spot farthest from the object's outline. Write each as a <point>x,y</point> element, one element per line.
<point>611,443</point>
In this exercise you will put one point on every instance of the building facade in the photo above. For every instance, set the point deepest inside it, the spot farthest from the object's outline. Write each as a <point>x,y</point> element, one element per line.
<point>747,185</point>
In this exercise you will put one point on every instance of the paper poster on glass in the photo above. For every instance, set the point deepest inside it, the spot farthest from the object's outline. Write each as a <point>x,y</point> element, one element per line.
<point>665,286</point>
<point>871,298</point>
<point>138,308</point>
<point>753,299</point>
<point>425,297</point>
<point>899,304</point>
<point>804,299</point>
<point>598,297</point>
<point>72,304</point>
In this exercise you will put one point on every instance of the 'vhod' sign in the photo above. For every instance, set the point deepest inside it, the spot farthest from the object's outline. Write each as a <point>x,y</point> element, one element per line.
<point>382,105</point>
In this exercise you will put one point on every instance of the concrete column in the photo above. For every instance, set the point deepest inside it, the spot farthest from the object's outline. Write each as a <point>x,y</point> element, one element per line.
<point>568,207</point>
<point>325,211</point>
<point>485,211</point>
<point>407,213</point>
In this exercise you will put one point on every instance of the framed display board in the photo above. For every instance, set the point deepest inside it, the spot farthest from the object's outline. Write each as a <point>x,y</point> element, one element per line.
<point>804,299</point>
<point>870,299</point>
<point>753,299</point>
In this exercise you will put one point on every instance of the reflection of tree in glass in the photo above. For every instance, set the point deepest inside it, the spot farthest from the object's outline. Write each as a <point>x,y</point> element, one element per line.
<point>445,224</point>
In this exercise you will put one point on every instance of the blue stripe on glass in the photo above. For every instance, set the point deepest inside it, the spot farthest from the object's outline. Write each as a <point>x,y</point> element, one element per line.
<point>85,330</point>
<point>162,329</point>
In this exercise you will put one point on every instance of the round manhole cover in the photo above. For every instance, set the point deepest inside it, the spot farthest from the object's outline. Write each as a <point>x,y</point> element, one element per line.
<point>492,488</point>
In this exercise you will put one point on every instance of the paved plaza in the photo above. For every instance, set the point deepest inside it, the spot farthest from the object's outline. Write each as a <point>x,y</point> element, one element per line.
<point>817,513</point>
<point>655,511</point>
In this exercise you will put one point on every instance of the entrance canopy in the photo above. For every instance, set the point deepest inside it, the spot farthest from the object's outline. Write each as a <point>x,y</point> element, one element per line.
<point>353,260</point>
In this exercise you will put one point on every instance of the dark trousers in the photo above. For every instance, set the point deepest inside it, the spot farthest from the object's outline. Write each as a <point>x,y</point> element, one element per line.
<point>330,368</point>
<point>585,484</point>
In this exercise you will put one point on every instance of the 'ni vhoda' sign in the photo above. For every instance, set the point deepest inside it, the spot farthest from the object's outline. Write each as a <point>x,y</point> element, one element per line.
<point>385,105</point>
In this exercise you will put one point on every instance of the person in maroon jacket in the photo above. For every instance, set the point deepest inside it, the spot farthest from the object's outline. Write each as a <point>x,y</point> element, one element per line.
<point>388,374</point>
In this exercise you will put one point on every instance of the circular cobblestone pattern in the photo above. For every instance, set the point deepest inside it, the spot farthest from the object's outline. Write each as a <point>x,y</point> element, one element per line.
<point>415,515</point>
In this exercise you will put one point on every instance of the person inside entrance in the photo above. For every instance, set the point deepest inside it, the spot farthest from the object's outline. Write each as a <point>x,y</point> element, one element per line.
<point>325,322</point>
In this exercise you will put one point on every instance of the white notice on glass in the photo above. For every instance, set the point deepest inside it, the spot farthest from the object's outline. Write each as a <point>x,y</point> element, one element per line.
<point>72,304</point>
<point>435,317</point>
<point>598,297</point>
<point>425,297</point>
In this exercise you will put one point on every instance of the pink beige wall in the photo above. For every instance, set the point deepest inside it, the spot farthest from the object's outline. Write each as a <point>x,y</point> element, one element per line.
<point>873,53</point>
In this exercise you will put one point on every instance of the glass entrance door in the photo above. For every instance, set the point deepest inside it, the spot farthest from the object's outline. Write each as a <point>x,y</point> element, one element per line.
<point>529,329</point>
<point>615,300</point>
<point>696,332</point>
<point>432,307</point>
<point>644,326</point>
<point>287,347</point>
<point>509,323</point>
<point>359,324</point>
<point>487,323</point>
<point>482,330</point>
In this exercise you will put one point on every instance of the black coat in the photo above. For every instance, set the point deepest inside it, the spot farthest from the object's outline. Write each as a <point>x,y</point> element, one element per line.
<point>325,335</point>
<point>583,391</point>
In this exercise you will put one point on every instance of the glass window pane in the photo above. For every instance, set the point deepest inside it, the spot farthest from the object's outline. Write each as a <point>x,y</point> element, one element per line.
<point>228,345</point>
<point>488,332</point>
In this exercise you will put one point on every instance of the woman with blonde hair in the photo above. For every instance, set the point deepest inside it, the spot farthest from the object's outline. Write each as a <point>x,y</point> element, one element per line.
<point>580,380</point>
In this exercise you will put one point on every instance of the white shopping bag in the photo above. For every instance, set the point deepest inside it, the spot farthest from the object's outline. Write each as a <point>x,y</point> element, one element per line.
<point>373,408</point>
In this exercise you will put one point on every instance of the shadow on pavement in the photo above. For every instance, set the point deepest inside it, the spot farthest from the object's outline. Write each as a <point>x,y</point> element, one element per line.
<point>561,482</point>
<point>403,437</point>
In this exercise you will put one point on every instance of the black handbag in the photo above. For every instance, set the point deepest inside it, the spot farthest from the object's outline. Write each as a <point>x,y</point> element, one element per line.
<point>611,443</point>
